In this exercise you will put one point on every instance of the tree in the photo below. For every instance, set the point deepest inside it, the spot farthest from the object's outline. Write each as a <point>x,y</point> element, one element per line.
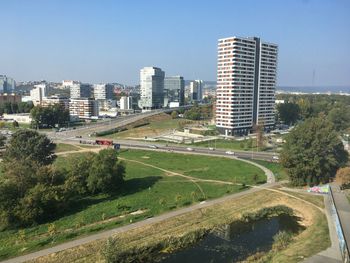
<point>259,130</point>
<point>30,145</point>
<point>106,173</point>
<point>49,116</point>
<point>2,140</point>
<point>288,112</point>
<point>340,117</point>
<point>313,152</point>
<point>343,177</point>
<point>174,114</point>
<point>15,124</point>
<point>77,175</point>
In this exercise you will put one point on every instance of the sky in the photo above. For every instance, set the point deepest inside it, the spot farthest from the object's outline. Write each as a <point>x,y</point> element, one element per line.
<point>100,41</point>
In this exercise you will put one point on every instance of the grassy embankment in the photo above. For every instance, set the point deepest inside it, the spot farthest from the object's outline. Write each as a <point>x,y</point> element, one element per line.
<point>147,192</point>
<point>276,168</point>
<point>150,127</point>
<point>63,147</point>
<point>312,240</point>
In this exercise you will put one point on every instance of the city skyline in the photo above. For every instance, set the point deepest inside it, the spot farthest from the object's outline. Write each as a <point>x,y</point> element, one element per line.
<point>101,43</point>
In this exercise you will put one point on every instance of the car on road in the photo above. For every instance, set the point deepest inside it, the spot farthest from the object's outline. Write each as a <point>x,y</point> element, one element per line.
<point>78,136</point>
<point>230,153</point>
<point>275,158</point>
<point>190,149</point>
<point>211,148</point>
<point>153,146</point>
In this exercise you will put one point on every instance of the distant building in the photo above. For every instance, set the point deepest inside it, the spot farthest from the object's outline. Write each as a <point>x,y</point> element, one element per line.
<point>39,92</point>
<point>52,100</point>
<point>103,92</point>
<point>246,83</point>
<point>196,90</point>
<point>279,101</point>
<point>209,93</point>
<point>69,83</point>
<point>174,90</point>
<point>83,108</point>
<point>7,84</point>
<point>125,103</point>
<point>80,90</point>
<point>12,98</point>
<point>152,88</point>
<point>106,104</point>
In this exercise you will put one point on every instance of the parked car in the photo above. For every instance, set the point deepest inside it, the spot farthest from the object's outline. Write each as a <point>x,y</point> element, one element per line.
<point>275,158</point>
<point>230,153</point>
<point>190,149</point>
<point>211,148</point>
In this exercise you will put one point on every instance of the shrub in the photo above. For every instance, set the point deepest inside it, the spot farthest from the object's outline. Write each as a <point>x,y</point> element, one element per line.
<point>281,240</point>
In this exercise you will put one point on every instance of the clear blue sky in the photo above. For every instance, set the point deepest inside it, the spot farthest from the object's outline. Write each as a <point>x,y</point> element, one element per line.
<point>109,41</point>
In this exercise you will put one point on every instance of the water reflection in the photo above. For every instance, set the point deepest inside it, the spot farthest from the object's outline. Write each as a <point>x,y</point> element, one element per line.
<point>235,242</point>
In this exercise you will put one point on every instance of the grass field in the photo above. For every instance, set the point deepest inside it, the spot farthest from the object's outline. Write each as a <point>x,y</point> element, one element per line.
<point>158,125</point>
<point>312,240</point>
<point>276,168</point>
<point>153,129</point>
<point>147,192</point>
<point>244,145</point>
<point>63,147</point>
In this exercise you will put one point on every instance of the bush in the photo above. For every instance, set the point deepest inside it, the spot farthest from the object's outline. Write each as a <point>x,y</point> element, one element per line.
<point>281,240</point>
<point>343,177</point>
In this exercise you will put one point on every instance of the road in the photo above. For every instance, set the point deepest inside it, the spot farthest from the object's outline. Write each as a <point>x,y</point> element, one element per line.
<point>267,156</point>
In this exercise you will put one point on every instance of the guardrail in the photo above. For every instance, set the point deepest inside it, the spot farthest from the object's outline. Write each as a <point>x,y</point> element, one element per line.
<point>344,249</point>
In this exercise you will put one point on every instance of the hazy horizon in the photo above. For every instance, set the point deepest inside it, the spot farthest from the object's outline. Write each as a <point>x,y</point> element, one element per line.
<point>111,42</point>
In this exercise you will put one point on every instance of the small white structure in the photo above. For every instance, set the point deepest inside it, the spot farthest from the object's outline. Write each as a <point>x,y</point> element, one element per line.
<point>125,103</point>
<point>19,117</point>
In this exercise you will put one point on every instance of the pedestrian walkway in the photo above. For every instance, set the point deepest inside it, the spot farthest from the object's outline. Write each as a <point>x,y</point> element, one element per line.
<point>331,254</point>
<point>343,209</point>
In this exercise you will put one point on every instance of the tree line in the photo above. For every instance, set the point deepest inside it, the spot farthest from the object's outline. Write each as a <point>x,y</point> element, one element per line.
<point>314,152</point>
<point>49,117</point>
<point>33,190</point>
<point>335,108</point>
<point>15,107</point>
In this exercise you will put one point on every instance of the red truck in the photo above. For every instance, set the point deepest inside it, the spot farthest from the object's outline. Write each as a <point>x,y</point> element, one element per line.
<point>104,142</point>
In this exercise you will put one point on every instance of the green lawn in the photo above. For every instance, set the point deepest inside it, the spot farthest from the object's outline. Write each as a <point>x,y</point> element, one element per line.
<point>199,166</point>
<point>244,145</point>
<point>276,168</point>
<point>147,190</point>
<point>63,147</point>
<point>154,128</point>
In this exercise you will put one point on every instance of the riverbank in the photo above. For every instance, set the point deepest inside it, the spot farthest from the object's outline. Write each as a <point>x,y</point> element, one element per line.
<point>313,239</point>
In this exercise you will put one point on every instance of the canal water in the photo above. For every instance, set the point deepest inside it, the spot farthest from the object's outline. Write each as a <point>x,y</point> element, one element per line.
<point>235,242</point>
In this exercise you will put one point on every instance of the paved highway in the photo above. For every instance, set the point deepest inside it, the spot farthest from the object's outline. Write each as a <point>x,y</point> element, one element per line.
<point>268,156</point>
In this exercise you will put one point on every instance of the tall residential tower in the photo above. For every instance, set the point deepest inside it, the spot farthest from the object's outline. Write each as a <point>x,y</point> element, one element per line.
<point>246,83</point>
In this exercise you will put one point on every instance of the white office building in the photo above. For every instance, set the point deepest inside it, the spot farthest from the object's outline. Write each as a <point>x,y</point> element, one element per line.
<point>151,88</point>
<point>125,103</point>
<point>38,93</point>
<point>103,92</point>
<point>196,90</point>
<point>246,83</point>
<point>80,90</point>
<point>83,108</point>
